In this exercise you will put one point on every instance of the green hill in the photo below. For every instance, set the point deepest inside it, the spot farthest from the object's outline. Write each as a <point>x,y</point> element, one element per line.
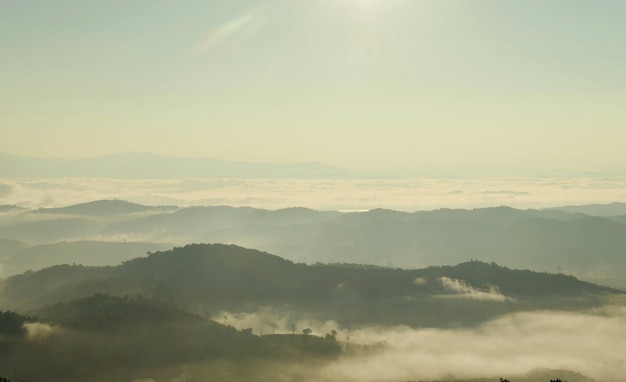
<point>226,277</point>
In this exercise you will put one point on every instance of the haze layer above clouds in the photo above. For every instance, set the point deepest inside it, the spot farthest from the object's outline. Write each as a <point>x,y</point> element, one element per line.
<point>396,85</point>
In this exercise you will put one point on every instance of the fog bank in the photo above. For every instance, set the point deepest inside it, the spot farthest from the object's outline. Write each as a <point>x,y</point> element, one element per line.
<point>589,343</point>
<point>322,194</point>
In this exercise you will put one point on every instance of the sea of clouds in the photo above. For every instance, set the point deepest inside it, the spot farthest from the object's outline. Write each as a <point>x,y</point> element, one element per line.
<point>591,343</point>
<point>321,194</point>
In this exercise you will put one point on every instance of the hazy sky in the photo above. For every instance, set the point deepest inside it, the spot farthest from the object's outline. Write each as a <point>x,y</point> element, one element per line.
<point>381,84</point>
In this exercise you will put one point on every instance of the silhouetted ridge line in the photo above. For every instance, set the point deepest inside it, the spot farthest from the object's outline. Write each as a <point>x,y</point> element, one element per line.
<point>222,276</point>
<point>103,208</point>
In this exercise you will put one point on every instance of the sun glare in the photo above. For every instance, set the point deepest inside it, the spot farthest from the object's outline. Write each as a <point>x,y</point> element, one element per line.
<point>364,4</point>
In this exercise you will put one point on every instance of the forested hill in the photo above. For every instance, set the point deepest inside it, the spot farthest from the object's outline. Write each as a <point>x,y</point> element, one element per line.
<point>216,276</point>
<point>541,240</point>
<point>108,338</point>
<point>103,208</point>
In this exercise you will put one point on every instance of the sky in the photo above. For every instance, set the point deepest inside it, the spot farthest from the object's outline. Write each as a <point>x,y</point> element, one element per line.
<point>401,85</point>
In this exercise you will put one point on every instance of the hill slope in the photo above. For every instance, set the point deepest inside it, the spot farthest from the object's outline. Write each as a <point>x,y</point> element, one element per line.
<point>218,277</point>
<point>542,240</point>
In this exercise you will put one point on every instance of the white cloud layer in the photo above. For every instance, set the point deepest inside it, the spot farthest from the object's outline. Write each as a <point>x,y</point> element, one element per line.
<point>591,343</point>
<point>323,194</point>
<point>460,289</point>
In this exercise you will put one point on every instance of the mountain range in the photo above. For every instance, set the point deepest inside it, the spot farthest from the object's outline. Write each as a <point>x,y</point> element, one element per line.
<point>156,317</point>
<point>217,277</point>
<point>553,240</point>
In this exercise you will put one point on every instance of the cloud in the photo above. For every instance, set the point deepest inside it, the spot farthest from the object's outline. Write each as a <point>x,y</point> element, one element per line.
<point>420,281</point>
<point>5,189</point>
<point>267,320</point>
<point>37,330</point>
<point>514,344</point>
<point>321,194</point>
<point>460,289</point>
<point>590,343</point>
<point>505,192</point>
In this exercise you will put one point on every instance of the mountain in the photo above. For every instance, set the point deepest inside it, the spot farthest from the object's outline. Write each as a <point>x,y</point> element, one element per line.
<point>516,238</point>
<point>10,208</point>
<point>8,248</point>
<point>612,209</point>
<point>221,277</point>
<point>542,375</point>
<point>541,240</point>
<point>103,208</point>
<point>143,165</point>
<point>193,223</point>
<point>105,312</point>
<point>74,222</point>
<point>12,324</point>
<point>103,338</point>
<point>148,318</point>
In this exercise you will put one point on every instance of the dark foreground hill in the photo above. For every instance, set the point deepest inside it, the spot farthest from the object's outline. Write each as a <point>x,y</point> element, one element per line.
<point>539,375</point>
<point>103,338</point>
<point>211,278</point>
<point>148,318</point>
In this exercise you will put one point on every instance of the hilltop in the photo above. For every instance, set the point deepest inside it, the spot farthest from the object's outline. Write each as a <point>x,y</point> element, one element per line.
<point>541,240</point>
<point>217,277</point>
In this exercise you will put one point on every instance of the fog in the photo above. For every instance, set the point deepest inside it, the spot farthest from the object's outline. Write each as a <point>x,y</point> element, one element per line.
<point>591,343</point>
<point>38,330</point>
<point>131,338</point>
<point>566,345</point>
<point>312,190</point>
<point>321,194</point>
<point>270,320</point>
<point>461,289</point>
<point>512,346</point>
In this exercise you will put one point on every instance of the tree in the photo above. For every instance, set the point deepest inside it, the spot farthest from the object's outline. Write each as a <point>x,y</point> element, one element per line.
<point>307,331</point>
<point>332,336</point>
<point>11,324</point>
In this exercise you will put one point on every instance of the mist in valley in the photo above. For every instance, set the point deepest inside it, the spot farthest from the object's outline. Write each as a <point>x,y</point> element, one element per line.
<point>215,311</point>
<point>530,346</point>
<point>328,190</point>
<point>556,239</point>
<point>98,284</point>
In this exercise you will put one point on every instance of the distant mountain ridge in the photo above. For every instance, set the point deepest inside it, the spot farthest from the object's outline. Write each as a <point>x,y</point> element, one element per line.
<point>103,208</point>
<point>541,240</point>
<point>174,308</point>
<point>144,165</point>
<point>611,209</point>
